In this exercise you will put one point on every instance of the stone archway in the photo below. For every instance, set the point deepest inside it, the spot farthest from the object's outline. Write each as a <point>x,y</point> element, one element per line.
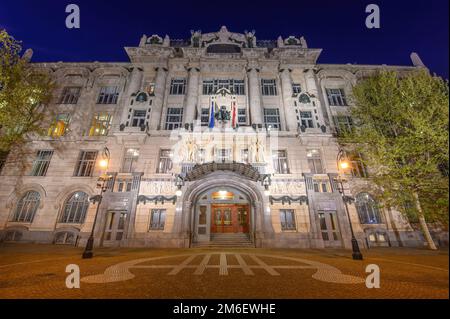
<point>261,225</point>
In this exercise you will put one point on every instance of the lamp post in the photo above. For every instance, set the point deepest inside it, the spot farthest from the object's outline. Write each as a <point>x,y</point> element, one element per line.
<point>343,164</point>
<point>104,178</point>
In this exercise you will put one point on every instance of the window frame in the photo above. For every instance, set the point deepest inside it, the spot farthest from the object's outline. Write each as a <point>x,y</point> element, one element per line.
<point>102,125</point>
<point>85,165</point>
<point>160,224</point>
<point>268,118</point>
<point>280,164</point>
<point>269,87</point>
<point>170,123</point>
<point>41,164</point>
<point>364,215</point>
<point>165,162</point>
<point>308,120</point>
<point>178,86</point>
<point>108,95</point>
<point>312,160</point>
<point>26,207</point>
<point>285,226</point>
<point>81,204</point>
<point>129,161</point>
<point>336,97</point>
<point>68,97</point>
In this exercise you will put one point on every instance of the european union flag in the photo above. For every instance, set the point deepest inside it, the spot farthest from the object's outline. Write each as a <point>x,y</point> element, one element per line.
<point>212,121</point>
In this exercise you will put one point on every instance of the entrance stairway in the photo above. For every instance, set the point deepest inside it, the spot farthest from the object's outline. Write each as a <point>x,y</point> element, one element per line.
<point>224,240</point>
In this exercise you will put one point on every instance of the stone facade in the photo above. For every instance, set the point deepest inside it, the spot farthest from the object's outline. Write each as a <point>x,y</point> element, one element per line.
<point>278,156</point>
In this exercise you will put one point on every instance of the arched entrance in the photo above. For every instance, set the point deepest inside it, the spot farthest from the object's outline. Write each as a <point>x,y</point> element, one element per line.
<point>224,202</point>
<point>221,210</point>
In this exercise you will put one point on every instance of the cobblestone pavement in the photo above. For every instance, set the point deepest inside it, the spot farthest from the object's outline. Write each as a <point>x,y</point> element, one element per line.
<point>38,271</point>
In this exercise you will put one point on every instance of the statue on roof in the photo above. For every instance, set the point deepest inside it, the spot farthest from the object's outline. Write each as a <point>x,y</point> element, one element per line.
<point>303,42</point>
<point>251,39</point>
<point>195,38</point>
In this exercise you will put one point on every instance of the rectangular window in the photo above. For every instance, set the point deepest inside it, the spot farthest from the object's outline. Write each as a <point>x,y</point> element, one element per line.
<point>315,162</point>
<point>296,88</point>
<point>336,97</point>
<point>358,168</point>
<point>178,86</point>
<point>223,155</point>
<point>205,117</point>
<point>269,87</point>
<point>242,116</point>
<point>41,163</point>
<point>165,162</point>
<point>306,119</point>
<point>287,219</point>
<point>272,118</point>
<point>129,160</point>
<point>208,87</point>
<point>101,124</point>
<point>174,118</point>
<point>139,118</point>
<point>157,219</point>
<point>59,126</point>
<point>280,162</point>
<point>70,95</point>
<point>343,123</point>
<point>321,186</point>
<point>108,95</point>
<point>236,87</point>
<point>86,163</point>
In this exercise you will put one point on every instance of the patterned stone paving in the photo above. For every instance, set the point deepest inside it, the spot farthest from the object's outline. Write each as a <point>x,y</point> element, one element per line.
<point>324,272</point>
<point>39,271</point>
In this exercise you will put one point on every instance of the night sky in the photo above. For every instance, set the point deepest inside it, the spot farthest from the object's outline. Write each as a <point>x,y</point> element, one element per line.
<point>336,26</point>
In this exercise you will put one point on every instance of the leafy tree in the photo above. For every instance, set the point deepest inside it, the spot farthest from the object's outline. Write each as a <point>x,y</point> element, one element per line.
<point>401,128</point>
<point>24,94</point>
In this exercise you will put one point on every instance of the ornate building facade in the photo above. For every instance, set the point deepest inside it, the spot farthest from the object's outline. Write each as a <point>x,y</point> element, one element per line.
<point>219,139</point>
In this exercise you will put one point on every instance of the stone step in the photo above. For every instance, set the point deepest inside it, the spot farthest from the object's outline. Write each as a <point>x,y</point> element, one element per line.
<point>228,240</point>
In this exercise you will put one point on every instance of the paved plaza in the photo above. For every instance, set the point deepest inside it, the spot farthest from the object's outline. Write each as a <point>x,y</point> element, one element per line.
<point>39,271</point>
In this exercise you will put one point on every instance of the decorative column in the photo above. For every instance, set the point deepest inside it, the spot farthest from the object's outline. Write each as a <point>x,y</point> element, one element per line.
<point>286,86</point>
<point>314,87</point>
<point>192,94</point>
<point>255,96</point>
<point>135,81</point>
<point>160,88</point>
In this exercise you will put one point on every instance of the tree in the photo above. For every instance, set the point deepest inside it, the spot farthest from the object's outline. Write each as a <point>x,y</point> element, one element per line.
<point>401,128</point>
<point>25,92</point>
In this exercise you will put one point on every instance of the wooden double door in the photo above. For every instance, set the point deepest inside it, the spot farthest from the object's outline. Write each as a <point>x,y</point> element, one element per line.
<point>227,218</point>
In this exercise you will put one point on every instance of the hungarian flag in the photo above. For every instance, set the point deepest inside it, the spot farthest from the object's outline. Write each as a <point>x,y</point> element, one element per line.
<point>233,115</point>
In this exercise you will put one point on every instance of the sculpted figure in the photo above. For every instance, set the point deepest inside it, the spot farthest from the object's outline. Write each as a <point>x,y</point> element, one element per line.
<point>252,150</point>
<point>260,151</point>
<point>280,42</point>
<point>303,43</point>
<point>191,150</point>
<point>251,39</point>
<point>195,38</point>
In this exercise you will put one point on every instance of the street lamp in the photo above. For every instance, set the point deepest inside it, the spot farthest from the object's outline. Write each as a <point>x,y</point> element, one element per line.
<point>102,180</point>
<point>342,165</point>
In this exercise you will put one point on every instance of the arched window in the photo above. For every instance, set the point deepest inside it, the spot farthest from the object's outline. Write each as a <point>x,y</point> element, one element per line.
<point>27,207</point>
<point>367,209</point>
<point>75,208</point>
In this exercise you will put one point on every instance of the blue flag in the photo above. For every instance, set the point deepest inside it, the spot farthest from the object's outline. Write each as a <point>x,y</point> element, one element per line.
<point>211,116</point>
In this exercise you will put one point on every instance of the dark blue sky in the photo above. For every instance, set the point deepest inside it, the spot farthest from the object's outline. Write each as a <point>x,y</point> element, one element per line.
<point>336,26</point>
